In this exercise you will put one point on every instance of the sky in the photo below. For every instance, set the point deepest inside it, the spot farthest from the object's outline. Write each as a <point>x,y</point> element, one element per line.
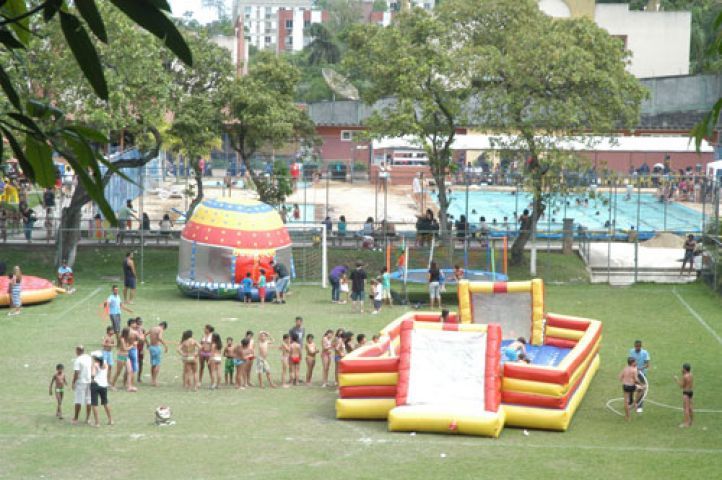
<point>203,15</point>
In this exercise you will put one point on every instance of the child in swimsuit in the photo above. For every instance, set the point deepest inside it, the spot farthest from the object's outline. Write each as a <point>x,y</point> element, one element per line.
<point>295,358</point>
<point>262,366</point>
<point>311,352</point>
<point>123,358</point>
<point>239,362</point>
<point>108,344</point>
<point>215,360</point>
<point>344,288</point>
<point>326,351</point>
<point>686,383</point>
<point>229,367</point>
<point>205,352</point>
<point>248,357</point>
<point>339,349</point>
<point>285,353</point>
<point>188,350</point>
<point>630,384</point>
<point>60,382</point>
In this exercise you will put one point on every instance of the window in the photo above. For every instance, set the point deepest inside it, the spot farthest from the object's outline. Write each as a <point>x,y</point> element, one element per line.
<point>427,6</point>
<point>268,40</point>
<point>289,24</point>
<point>346,135</point>
<point>306,23</point>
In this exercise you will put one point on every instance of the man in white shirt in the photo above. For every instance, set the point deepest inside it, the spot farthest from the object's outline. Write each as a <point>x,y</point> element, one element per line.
<point>82,366</point>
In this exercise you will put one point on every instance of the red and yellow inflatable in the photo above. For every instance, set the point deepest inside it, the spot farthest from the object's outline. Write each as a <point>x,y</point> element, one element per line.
<point>34,290</point>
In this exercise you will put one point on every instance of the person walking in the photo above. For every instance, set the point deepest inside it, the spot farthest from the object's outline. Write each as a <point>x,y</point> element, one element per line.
<point>334,278</point>
<point>113,305</point>
<point>82,366</point>
<point>129,278</point>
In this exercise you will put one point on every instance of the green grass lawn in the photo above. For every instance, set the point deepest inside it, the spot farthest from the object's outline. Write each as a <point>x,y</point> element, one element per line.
<point>293,433</point>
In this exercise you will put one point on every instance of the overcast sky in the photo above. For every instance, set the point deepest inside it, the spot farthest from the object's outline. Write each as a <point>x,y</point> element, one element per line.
<point>203,15</point>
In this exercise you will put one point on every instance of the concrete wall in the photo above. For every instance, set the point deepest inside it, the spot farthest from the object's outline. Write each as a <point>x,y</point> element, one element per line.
<point>659,41</point>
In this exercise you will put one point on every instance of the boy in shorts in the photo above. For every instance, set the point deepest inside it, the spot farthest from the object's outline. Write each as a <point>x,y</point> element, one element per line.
<point>247,285</point>
<point>630,384</point>
<point>228,355</point>
<point>108,344</point>
<point>262,282</point>
<point>239,362</point>
<point>262,365</point>
<point>248,356</point>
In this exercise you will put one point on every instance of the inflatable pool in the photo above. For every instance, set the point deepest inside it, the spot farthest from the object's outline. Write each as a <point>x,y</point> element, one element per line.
<point>34,290</point>
<point>421,275</point>
<point>543,394</point>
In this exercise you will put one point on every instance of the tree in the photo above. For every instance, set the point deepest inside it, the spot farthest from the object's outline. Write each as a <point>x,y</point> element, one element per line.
<point>415,60</point>
<point>197,101</point>
<point>139,97</point>
<point>540,81</point>
<point>705,128</point>
<point>261,113</point>
<point>322,49</point>
<point>19,23</point>
<point>343,14</point>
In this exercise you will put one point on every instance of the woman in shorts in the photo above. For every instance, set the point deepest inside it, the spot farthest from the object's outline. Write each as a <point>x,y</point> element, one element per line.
<point>435,285</point>
<point>99,389</point>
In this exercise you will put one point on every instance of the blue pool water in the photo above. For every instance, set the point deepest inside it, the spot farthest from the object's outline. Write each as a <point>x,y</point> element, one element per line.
<point>308,213</point>
<point>654,215</point>
<point>545,355</point>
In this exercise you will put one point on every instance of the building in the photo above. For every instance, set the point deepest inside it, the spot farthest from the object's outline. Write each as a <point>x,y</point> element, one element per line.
<point>659,41</point>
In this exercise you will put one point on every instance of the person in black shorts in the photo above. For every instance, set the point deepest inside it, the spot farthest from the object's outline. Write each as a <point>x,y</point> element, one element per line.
<point>689,247</point>
<point>129,278</point>
<point>630,384</point>
<point>686,383</point>
<point>358,279</point>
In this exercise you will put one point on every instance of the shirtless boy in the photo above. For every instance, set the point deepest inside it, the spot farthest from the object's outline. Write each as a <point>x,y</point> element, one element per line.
<point>295,360</point>
<point>140,345</point>
<point>108,344</point>
<point>155,340</point>
<point>135,337</point>
<point>326,353</point>
<point>262,366</point>
<point>630,384</point>
<point>228,355</point>
<point>249,360</point>
<point>686,383</point>
<point>60,382</point>
<point>285,354</point>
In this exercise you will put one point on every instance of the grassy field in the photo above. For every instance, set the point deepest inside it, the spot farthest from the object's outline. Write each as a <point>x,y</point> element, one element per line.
<point>292,433</point>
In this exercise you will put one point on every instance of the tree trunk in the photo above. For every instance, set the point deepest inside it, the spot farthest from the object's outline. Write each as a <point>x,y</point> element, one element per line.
<point>517,248</point>
<point>198,175</point>
<point>264,187</point>
<point>68,235</point>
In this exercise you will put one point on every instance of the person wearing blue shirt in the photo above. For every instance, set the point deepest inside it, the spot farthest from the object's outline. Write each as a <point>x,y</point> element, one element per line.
<point>247,284</point>
<point>113,304</point>
<point>642,358</point>
<point>65,277</point>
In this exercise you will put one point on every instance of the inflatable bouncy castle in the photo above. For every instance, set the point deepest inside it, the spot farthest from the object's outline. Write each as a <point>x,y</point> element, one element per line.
<point>455,376</point>
<point>34,290</point>
<point>224,240</point>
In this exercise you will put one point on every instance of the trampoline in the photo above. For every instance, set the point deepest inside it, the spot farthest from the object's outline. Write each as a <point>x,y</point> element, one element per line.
<point>420,275</point>
<point>544,355</point>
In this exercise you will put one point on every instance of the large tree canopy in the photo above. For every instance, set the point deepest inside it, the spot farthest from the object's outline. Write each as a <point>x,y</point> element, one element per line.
<point>261,113</point>
<point>541,80</point>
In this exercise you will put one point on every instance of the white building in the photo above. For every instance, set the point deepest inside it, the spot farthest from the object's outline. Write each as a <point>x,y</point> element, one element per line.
<point>659,41</point>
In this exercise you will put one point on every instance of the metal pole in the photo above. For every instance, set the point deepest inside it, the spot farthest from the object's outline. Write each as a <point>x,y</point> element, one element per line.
<point>609,237</point>
<point>466,226</point>
<point>324,257</point>
<point>386,199</point>
<point>327,180</point>
<point>636,238</point>
<point>142,230</point>
<point>305,193</point>
<point>376,197</point>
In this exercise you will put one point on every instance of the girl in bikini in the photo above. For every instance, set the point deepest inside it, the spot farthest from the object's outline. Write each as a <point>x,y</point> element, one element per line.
<point>311,352</point>
<point>188,350</point>
<point>215,360</point>
<point>124,344</point>
<point>285,354</point>
<point>339,350</point>
<point>205,352</point>
<point>326,349</point>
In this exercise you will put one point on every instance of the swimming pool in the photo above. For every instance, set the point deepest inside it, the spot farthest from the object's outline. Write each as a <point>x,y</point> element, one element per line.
<point>653,215</point>
<point>308,213</point>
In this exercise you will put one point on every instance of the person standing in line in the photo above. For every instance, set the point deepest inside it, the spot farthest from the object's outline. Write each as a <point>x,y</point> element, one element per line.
<point>141,333</point>
<point>113,305</point>
<point>155,341</point>
<point>334,278</point>
<point>358,283</point>
<point>129,278</point>
<point>99,389</point>
<point>298,334</point>
<point>641,357</point>
<point>282,279</point>
<point>82,366</point>
<point>689,247</point>
<point>16,289</point>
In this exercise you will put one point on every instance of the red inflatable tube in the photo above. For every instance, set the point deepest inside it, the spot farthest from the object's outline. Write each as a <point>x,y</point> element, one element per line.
<point>373,350</point>
<point>545,401</point>
<point>402,386</point>
<point>368,391</point>
<point>492,380</point>
<point>563,322</point>
<point>560,342</point>
<point>369,365</point>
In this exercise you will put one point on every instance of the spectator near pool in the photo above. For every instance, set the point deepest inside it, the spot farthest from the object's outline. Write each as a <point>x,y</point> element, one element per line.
<point>341,228</point>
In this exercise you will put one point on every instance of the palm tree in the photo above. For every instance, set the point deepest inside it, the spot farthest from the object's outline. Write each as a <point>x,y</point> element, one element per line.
<point>323,48</point>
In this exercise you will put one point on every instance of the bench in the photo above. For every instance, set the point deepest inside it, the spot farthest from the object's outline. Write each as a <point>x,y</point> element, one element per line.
<point>134,235</point>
